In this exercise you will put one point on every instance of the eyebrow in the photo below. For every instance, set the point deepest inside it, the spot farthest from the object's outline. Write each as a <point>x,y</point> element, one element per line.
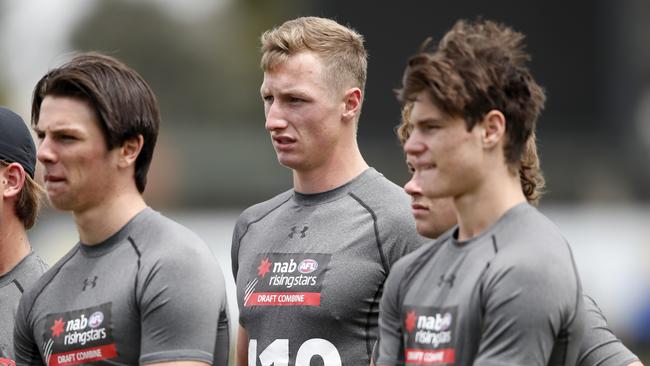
<point>58,130</point>
<point>287,91</point>
<point>425,120</point>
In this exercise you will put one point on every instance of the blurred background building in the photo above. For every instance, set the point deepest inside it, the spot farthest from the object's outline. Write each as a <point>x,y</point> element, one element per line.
<point>214,157</point>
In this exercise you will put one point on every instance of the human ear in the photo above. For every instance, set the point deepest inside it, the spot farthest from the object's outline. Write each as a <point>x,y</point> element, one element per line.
<point>13,180</point>
<point>130,150</point>
<point>494,128</point>
<point>352,103</point>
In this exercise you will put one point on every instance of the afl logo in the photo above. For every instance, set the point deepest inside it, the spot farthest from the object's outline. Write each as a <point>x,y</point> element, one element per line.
<point>96,319</point>
<point>444,323</point>
<point>307,266</point>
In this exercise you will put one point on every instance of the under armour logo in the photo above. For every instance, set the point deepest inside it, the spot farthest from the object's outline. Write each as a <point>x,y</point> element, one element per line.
<point>448,279</point>
<point>88,282</point>
<point>294,230</point>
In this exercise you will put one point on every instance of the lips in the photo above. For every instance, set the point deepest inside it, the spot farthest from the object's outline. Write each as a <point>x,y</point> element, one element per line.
<point>282,139</point>
<point>417,206</point>
<point>283,142</point>
<point>53,181</point>
<point>49,178</point>
<point>419,209</point>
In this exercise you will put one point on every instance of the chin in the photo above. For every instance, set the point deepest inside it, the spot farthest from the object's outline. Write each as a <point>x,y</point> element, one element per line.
<point>291,163</point>
<point>61,203</point>
<point>426,230</point>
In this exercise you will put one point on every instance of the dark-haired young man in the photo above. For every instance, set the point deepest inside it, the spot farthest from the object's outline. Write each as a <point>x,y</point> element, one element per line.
<point>19,205</point>
<point>138,288</point>
<point>502,287</point>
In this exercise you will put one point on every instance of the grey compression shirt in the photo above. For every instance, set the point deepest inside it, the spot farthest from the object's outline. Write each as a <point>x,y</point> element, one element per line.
<point>508,296</point>
<point>152,292</point>
<point>310,270</point>
<point>12,285</point>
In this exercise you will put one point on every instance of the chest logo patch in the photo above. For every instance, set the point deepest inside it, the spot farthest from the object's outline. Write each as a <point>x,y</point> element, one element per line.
<point>78,336</point>
<point>287,279</point>
<point>429,335</point>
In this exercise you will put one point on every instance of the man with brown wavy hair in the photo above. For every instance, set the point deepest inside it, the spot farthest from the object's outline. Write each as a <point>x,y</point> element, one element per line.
<point>502,287</point>
<point>19,206</point>
<point>530,172</point>
<point>433,217</point>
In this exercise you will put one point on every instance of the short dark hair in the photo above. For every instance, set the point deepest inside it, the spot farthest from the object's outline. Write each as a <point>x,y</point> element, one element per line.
<point>124,103</point>
<point>479,66</point>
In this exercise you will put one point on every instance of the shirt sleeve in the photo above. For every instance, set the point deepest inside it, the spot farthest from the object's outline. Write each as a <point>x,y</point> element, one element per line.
<point>222,345</point>
<point>237,234</point>
<point>399,237</point>
<point>181,297</point>
<point>532,312</point>
<point>25,349</point>
<point>389,349</point>
<point>600,345</point>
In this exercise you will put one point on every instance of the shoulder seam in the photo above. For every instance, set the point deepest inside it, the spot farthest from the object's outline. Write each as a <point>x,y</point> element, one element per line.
<point>135,247</point>
<point>415,267</point>
<point>137,274</point>
<point>31,306</point>
<point>578,285</point>
<point>382,256</point>
<point>20,287</point>
<point>258,220</point>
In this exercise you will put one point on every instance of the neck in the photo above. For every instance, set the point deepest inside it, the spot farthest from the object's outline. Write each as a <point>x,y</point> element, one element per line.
<point>335,172</point>
<point>100,222</point>
<point>14,245</point>
<point>480,209</point>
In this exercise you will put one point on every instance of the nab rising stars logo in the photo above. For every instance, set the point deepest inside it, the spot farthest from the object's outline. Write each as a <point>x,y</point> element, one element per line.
<point>286,279</point>
<point>429,336</point>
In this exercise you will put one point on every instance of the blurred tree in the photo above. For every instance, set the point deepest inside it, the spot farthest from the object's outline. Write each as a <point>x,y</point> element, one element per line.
<point>206,76</point>
<point>3,83</point>
<point>163,50</point>
<point>204,72</point>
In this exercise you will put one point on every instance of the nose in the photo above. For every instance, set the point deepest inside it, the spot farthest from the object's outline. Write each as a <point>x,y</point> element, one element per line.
<point>45,154</point>
<point>412,187</point>
<point>275,119</point>
<point>413,146</point>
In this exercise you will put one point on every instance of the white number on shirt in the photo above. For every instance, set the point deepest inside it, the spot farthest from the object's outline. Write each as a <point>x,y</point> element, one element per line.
<point>277,353</point>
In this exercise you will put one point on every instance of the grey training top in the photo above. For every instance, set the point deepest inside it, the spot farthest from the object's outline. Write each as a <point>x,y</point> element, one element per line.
<point>152,292</point>
<point>12,285</point>
<point>310,269</point>
<point>600,347</point>
<point>508,296</point>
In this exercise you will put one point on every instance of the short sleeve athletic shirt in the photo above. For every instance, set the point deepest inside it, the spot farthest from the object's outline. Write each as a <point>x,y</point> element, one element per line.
<point>511,296</point>
<point>152,292</point>
<point>310,269</point>
<point>12,286</point>
<point>600,346</point>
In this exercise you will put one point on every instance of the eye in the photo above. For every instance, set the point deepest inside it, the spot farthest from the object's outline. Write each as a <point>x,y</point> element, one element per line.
<point>267,98</point>
<point>64,137</point>
<point>430,127</point>
<point>295,100</point>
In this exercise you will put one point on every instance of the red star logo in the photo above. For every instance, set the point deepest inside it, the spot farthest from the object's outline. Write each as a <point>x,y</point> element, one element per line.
<point>264,267</point>
<point>57,328</point>
<point>409,323</point>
